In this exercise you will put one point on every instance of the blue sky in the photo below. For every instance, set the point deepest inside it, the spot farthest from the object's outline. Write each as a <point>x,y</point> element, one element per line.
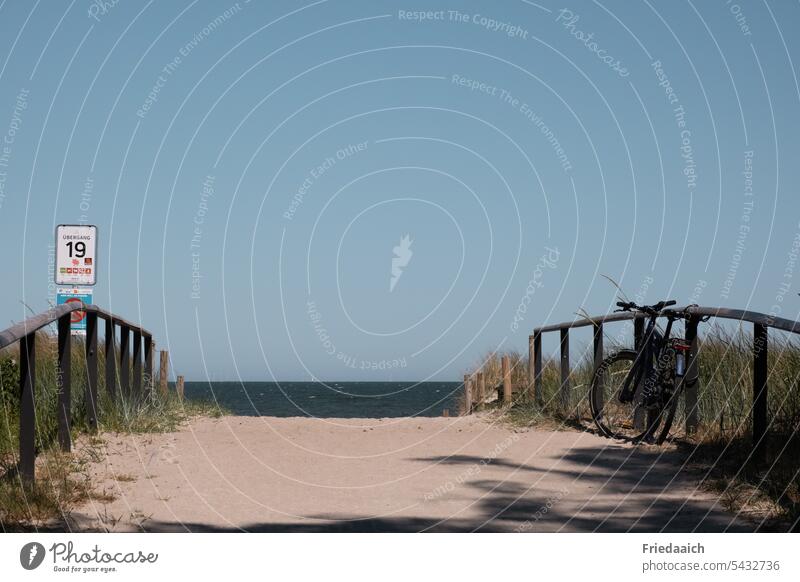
<point>252,166</point>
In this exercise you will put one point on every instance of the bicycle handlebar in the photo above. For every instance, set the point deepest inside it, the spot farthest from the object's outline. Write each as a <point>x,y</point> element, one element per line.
<point>650,309</point>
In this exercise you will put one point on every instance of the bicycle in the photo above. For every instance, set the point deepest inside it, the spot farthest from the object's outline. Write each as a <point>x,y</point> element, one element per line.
<point>633,391</point>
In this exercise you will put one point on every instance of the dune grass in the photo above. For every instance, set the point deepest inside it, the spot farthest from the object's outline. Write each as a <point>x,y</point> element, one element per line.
<point>721,448</point>
<point>62,479</point>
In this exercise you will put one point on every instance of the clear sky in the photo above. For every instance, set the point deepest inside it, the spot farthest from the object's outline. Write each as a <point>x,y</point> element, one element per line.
<point>254,167</point>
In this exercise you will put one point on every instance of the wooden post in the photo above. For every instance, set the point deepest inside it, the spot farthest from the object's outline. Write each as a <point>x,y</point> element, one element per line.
<point>538,392</point>
<point>692,378</point>
<point>598,358</point>
<point>640,416</point>
<point>111,360</point>
<point>179,387</point>
<point>149,347</point>
<point>163,375</point>
<point>565,385</point>
<point>481,389</point>
<point>64,381</point>
<point>529,388</point>
<point>125,361</point>
<point>91,370</point>
<point>467,395</point>
<point>137,364</point>
<point>760,386</point>
<point>638,332</point>
<point>506,365</point>
<point>27,413</point>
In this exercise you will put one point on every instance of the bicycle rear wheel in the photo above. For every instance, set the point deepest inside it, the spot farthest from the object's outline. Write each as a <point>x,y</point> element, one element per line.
<point>613,418</point>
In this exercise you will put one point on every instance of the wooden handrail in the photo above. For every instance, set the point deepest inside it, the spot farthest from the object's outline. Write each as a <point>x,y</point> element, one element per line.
<point>721,312</point>
<point>25,333</point>
<point>34,323</point>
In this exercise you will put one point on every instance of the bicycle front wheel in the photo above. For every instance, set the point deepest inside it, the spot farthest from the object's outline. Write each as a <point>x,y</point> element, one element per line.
<point>615,419</point>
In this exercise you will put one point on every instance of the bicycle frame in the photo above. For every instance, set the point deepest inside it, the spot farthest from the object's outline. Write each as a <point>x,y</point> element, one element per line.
<point>652,346</point>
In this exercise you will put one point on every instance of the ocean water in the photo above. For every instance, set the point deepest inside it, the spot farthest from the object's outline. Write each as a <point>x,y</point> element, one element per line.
<point>330,400</point>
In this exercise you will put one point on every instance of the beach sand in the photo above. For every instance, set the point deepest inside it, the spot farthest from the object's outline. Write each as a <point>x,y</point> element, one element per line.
<point>410,474</point>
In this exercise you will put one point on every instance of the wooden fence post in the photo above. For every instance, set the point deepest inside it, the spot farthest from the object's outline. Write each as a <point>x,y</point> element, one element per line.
<point>565,384</point>
<point>137,365</point>
<point>760,386</point>
<point>481,389</point>
<point>111,360</point>
<point>179,387</point>
<point>91,370</point>
<point>149,346</point>
<point>538,393</point>
<point>64,381</point>
<point>692,379</point>
<point>529,388</point>
<point>638,332</point>
<point>640,416</point>
<point>506,366</point>
<point>467,395</point>
<point>163,375</point>
<point>27,413</point>
<point>125,361</point>
<point>598,355</point>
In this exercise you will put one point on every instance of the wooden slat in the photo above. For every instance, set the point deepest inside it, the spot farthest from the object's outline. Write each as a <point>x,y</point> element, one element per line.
<point>538,392</point>
<point>149,347</point>
<point>760,385</point>
<point>137,365</point>
<point>598,354</point>
<point>163,375</point>
<point>125,361</point>
<point>112,380</point>
<point>91,370</point>
<point>27,415</point>
<point>506,367</point>
<point>565,392</point>
<point>467,395</point>
<point>638,333</point>
<point>529,387</point>
<point>64,382</point>
<point>692,379</point>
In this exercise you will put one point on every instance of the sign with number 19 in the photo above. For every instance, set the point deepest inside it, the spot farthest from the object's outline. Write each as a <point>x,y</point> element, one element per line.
<point>75,254</point>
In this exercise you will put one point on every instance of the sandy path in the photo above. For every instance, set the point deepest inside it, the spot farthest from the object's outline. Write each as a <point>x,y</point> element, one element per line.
<point>442,474</point>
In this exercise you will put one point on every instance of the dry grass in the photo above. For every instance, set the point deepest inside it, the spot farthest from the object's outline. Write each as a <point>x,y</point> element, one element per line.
<point>63,482</point>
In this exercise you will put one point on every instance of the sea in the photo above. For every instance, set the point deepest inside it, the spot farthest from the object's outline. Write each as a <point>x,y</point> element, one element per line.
<point>330,399</point>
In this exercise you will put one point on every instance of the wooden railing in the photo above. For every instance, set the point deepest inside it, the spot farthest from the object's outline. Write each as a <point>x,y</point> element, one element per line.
<point>475,384</point>
<point>116,383</point>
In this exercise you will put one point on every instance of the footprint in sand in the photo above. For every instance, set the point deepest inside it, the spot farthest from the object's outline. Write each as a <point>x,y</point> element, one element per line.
<point>168,454</point>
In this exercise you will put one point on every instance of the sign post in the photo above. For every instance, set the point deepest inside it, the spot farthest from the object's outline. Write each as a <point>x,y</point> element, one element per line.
<point>76,262</point>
